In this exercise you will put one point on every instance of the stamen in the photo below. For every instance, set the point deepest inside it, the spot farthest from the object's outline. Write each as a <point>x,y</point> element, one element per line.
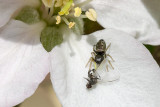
<point>83,16</point>
<point>47,10</point>
<point>58,18</point>
<point>71,24</point>
<point>67,13</point>
<point>51,12</point>
<point>48,3</point>
<point>65,20</point>
<point>91,14</point>
<point>78,11</point>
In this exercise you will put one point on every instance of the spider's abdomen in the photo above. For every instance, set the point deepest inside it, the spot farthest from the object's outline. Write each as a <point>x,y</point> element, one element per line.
<point>99,59</point>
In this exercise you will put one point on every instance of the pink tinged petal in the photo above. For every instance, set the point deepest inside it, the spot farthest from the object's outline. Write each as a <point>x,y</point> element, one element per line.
<point>23,62</point>
<point>131,16</point>
<point>139,73</point>
<point>9,7</point>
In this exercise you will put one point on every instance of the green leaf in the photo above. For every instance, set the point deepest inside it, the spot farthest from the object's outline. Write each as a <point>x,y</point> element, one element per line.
<point>155,51</point>
<point>150,48</point>
<point>78,28</point>
<point>90,26</point>
<point>50,37</point>
<point>28,15</point>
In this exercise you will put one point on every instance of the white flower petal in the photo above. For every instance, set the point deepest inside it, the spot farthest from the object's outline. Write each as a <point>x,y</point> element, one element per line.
<point>139,73</point>
<point>9,7</point>
<point>131,16</point>
<point>23,62</point>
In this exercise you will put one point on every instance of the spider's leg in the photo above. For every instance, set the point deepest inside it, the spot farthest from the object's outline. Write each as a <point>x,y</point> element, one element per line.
<point>108,47</point>
<point>93,54</point>
<point>110,57</point>
<point>110,64</point>
<point>91,59</point>
<point>91,63</point>
<point>88,62</point>
<point>107,68</point>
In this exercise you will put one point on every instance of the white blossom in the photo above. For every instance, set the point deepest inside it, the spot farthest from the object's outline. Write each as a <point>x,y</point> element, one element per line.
<point>24,62</point>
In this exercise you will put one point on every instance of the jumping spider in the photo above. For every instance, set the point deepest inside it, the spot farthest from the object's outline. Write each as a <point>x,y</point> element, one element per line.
<point>99,54</point>
<point>92,78</point>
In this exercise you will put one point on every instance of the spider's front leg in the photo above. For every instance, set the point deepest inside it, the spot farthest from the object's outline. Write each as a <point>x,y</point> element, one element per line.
<point>93,54</point>
<point>94,48</point>
<point>107,47</point>
<point>91,60</point>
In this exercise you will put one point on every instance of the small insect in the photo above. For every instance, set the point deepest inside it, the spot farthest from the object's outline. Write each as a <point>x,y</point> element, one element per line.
<point>92,78</point>
<point>99,54</point>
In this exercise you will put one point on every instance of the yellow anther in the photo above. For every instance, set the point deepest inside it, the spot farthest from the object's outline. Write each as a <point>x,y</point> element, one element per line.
<point>71,24</point>
<point>91,14</point>
<point>66,8</point>
<point>59,3</point>
<point>78,11</point>
<point>48,3</point>
<point>67,13</point>
<point>58,18</point>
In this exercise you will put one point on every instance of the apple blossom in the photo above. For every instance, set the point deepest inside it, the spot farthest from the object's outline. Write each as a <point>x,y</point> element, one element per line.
<point>31,28</point>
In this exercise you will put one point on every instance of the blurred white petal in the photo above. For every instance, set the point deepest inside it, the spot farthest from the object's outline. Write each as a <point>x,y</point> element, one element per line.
<point>9,7</point>
<point>139,73</point>
<point>132,16</point>
<point>23,61</point>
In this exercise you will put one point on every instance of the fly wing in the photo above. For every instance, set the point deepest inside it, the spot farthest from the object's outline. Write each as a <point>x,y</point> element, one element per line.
<point>109,75</point>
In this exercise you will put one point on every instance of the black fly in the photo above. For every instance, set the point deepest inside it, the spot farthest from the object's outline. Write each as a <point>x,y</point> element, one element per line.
<point>92,78</point>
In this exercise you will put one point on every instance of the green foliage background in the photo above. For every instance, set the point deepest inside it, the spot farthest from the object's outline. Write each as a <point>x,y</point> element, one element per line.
<point>155,51</point>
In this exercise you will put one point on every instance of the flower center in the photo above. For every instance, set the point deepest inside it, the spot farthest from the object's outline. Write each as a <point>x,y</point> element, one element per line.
<point>56,14</point>
<point>61,11</point>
